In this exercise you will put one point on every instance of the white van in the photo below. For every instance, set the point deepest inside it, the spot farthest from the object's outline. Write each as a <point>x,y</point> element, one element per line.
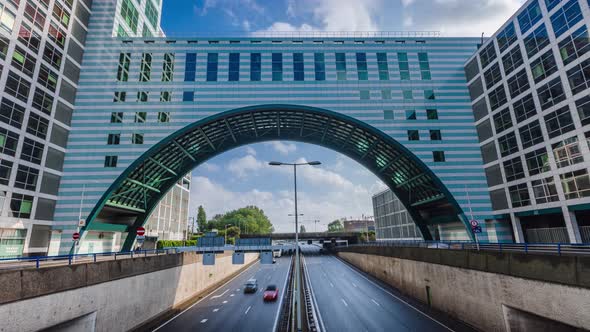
<point>276,253</point>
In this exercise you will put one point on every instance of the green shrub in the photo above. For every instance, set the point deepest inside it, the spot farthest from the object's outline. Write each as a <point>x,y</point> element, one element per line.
<point>175,243</point>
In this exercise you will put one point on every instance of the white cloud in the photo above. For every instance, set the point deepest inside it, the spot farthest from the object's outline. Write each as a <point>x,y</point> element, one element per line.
<point>209,167</point>
<point>406,3</point>
<point>347,15</point>
<point>250,150</point>
<point>241,166</point>
<point>282,148</point>
<point>284,28</point>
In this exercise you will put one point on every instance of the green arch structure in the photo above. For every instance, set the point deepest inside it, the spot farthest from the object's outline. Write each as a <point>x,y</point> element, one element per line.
<point>129,201</point>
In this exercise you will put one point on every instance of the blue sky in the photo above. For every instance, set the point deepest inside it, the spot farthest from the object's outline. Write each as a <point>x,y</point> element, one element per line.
<point>340,187</point>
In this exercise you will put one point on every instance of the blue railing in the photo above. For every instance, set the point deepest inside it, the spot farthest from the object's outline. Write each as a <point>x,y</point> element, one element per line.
<point>545,248</point>
<point>90,257</point>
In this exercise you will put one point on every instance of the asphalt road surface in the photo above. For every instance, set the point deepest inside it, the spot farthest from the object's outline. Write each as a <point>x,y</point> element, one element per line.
<point>229,309</point>
<point>350,300</point>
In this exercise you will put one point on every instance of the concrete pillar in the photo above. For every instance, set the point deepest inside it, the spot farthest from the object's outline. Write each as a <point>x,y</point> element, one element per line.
<point>517,229</point>
<point>571,224</point>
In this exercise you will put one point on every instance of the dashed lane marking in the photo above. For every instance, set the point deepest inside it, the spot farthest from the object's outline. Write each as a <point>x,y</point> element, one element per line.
<point>346,304</point>
<point>224,302</point>
<point>247,310</point>
<point>204,321</point>
<point>375,302</point>
<point>220,295</point>
<point>216,310</point>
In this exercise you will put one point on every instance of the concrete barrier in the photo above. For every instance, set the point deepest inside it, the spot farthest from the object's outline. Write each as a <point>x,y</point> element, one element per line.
<point>491,291</point>
<point>106,296</point>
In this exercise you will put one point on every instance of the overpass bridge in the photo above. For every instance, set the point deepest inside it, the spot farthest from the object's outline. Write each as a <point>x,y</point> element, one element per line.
<point>352,237</point>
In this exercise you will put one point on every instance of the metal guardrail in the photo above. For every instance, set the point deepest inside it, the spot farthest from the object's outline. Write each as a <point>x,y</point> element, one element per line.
<point>537,248</point>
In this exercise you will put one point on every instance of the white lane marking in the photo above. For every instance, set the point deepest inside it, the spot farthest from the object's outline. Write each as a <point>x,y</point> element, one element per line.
<point>391,294</point>
<point>220,295</point>
<point>216,310</point>
<point>204,321</point>
<point>375,302</point>
<point>237,290</point>
<point>224,302</point>
<point>354,284</point>
<point>199,301</point>
<point>247,310</point>
<point>346,304</point>
<point>331,284</point>
<point>230,295</point>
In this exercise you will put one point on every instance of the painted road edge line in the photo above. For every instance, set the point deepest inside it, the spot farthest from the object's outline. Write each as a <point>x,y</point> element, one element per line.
<point>393,295</point>
<point>315,301</point>
<point>199,301</point>
<point>274,326</point>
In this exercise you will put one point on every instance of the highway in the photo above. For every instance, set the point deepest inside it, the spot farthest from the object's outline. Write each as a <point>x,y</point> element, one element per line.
<point>349,300</point>
<point>229,309</point>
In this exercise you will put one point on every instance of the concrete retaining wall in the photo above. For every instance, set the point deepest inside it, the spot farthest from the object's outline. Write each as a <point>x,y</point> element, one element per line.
<point>488,301</point>
<point>120,294</point>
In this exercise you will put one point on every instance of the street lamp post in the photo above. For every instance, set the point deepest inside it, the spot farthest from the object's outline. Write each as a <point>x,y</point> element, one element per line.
<point>297,261</point>
<point>225,234</point>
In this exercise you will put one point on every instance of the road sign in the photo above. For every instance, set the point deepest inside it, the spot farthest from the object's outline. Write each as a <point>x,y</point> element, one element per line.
<point>473,223</point>
<point>477,229</point>
<point>81,222</point>
<point>140,231</point>
<point>76,236</point>
<point>140,238</point>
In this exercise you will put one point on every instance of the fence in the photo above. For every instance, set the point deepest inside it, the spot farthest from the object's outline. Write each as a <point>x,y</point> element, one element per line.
<point>547,235</point>
<point>585,233</point>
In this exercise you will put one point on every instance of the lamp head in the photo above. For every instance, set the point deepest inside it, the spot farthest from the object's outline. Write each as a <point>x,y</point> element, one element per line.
<point>275,163</point>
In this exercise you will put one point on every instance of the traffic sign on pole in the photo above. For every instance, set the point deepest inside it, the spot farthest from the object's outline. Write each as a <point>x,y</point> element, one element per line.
<point>76,236</point>
<point>473,223</point>
<point>477,229</point>
<point>140,231</point>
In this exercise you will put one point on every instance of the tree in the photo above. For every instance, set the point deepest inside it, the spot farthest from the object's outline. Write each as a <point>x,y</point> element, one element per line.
<point>233,231</point>
<point>201,219</point>
<point>335,226</point>
<point>302,229</point>
<point>249,219</point>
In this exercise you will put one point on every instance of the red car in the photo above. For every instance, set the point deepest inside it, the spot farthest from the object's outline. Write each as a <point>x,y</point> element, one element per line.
<point>271,293</point>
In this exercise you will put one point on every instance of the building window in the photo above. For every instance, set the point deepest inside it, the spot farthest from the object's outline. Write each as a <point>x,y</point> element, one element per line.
<point>407,94</point>
<point>255,67</point>
<point>513,169</point>
<point>424,66</point>
<point>551,4</point>
<point>365,94</point>
<point>382,66</point>
<point>233,74</point>
<point>410,114</point>
<point>512,60</point>
<point>123,68</point>
<point>212,64</point>
<point>529,16</point>
<point>404,67</point>
<point>142,96</point>
<point>5,170</point>
<point>151,13</point>
<point>518,83</point>
<point>574,46</point>
<point>579,77</point>
<point>136,138</point>
<point>413,135</point>
<point>576,184</point>
<point>165,96</point>
<point>536,41</point>
<point>429,95</point>
<point>487,55</point>
<point>168,67</point>
<point>146,67</point>
<point>471,69</point>
<point>32,151</point>
<point>37,125</point>
<point>164,117</point>
<point>508,144</point>
<point>277,67</point>
<point>298,68</point>
<point>17,86</point>
<point>188,96</point>
<point>497,97</point>
<point>531,134</point>
<point>23,61</point>
<point>319,66</point>
<point>11,113</point>
<point>544,190</point>
<point>120,96</point>
<point>29,37</point>
<point>492,75</point>
<point>435,135</point>
<point>190,67</point>
<point>386,94</point>
<point>583,107</point>
<point>438,156</point>
<point>559,122</point>
<point>550,93</point>
<point>130,14</point>
<point>34,14</point>
<point>475,89</point>
<point>47,78</point>
<point>388,115</point>
<point>26,178</point>
<point>566,17</point>
<point>42,101</point>
<point>7,19</point>
<point>116,117</point>
<point>21,205</point>
<point>341,66</point>
<point>431,114</point>
<point>140,117</point>
<point>502,120</point>
<point>519,195</point>
<point>537,161</point>
<point>114,139</point>
<point>361,66</point>
<point>543,66</point>
<point>8,142</point>
<point>110,161</point>
<point>506,37</point>
<point>567,152</point>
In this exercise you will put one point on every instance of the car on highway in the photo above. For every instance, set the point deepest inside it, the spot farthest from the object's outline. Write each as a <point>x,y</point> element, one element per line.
<point>251,286</point>
<point>271,293</point>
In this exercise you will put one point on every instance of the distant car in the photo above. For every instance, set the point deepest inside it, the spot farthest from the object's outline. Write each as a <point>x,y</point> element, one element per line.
<point>274,260</point>
<point>271,293</point>
<point>251,286</point>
